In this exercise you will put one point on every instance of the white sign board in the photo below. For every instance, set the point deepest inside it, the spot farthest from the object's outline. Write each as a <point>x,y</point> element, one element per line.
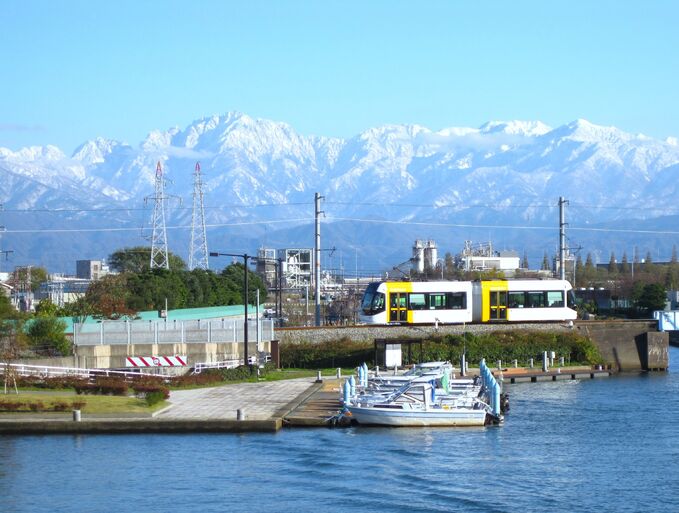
<point>392,355</point>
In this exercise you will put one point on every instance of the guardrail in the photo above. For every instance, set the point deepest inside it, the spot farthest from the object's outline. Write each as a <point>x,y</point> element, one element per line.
<point>47,371</point>
<point>225,364</point>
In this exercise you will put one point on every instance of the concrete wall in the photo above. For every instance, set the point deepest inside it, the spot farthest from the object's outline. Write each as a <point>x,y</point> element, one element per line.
<point>114,356</point>
<point>628,345</point>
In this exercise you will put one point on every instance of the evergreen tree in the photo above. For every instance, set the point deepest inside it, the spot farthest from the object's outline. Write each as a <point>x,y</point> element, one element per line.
<point>545,262</point>
<point>524,263</point>
<point>612,265</point>
<point>674,254</point>
<point>624,265</point>
<point>648,263</point>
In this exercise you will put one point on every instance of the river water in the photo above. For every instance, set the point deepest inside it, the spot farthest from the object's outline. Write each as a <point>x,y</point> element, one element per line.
<point>589,445</point>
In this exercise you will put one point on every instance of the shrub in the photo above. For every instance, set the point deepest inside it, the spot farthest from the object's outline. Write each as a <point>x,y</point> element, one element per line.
<point>155,397</point>
<point>36,406</point>
<point>332,353</point>
<point>10,406</point>
<point>60,406</point>
<point>78,405</point>
<point>511,345</point>
<point>103,386</point>
<point>144,391</point>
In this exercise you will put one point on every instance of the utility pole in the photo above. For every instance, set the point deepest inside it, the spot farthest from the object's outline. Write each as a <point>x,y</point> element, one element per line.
<point>198,249</point>
<point>562,237</point>
<point>245,258</point>
<point>317,255</point>
<point>279,296</point>
<point>159,256</point>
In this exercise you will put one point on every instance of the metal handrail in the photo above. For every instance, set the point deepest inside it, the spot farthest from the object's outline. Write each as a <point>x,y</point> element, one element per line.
<point>224,364</point>
<point>48,371</point>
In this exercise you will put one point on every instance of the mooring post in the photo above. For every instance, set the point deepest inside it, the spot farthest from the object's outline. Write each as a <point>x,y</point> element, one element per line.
<point>530,363</point>
<point>339,372</point>
<point>346,392</point>
<point>240,414</point>
<point>545,361</point>
<point>76,415</point>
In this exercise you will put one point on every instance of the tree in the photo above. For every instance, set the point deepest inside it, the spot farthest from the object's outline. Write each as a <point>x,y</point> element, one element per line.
<point>524,262</point>
<point>108,297</point>
<point>138,260</point>
<point>45,308</point>
<point>48,333</point>
<point>612,265</point>
<point>624,265</point>
<point>652,297</point>
<point>545,262</point>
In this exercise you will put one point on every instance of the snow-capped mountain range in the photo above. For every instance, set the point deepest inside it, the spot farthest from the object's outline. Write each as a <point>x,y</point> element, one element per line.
<point>408,173</point>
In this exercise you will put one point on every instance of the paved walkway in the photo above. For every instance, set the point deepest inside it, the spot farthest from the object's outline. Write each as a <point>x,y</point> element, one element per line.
<point>260,401</point>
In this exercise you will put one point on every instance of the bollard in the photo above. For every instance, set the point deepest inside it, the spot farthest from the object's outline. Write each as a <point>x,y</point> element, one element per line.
<point>319,379</point>
<point>545,362</point>
<point>552,355</point>
<point>516,363</point>
<point>240,414</point>
<point>561,361</point>
<point>530,363</point>
<point>463,366</point>
<point>339,372</point>
<point>377,371</point>
<point>346,392</point>
<point>76,415</point>
<point>499,364</point>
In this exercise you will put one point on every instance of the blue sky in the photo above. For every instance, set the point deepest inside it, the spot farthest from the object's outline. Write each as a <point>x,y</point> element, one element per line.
<point>74,70</point>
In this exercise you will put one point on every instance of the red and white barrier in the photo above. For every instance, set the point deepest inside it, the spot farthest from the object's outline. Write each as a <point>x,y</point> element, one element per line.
<point>155,361</point>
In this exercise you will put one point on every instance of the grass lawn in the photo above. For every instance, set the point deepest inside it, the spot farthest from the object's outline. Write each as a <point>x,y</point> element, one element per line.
<point>303,373</point>
<point>93,403</point>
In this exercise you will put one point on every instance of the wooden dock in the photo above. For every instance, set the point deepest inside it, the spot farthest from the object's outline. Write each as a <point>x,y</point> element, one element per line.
<point>323,404</point>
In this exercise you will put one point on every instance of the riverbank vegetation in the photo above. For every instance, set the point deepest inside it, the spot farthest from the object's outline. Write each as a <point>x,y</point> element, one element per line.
<point>504,345</point>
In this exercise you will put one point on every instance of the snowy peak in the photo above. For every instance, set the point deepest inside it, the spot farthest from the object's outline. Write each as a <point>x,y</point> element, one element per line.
<point>96,151</point>
<point>525,128</point>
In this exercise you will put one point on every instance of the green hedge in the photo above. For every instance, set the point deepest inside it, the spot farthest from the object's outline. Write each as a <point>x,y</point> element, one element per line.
<point>513,345</point>
<point>322,355</point>
<point>504,345</point>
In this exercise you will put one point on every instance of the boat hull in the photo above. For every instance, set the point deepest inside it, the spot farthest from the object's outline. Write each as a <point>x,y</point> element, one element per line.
<point>404,418</point>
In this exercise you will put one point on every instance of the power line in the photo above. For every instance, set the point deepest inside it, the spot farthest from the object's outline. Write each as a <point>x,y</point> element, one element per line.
<point>178,227</point>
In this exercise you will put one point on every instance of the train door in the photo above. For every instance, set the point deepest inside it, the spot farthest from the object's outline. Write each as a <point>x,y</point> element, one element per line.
<point>498,305</point>
<point>494,298</point>
<point>398,309</point>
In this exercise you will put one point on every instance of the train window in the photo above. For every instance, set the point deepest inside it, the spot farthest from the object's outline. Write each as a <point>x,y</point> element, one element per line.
<point>555,298</point>
<point>417,301</point>
<point>516,299</point>
<point>457,300</point>
<point>536,299</point>
<point>437,301</point>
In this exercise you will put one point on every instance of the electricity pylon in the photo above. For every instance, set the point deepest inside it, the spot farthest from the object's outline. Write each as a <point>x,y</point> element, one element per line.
<point>159,258</point>
<point>198,250</point>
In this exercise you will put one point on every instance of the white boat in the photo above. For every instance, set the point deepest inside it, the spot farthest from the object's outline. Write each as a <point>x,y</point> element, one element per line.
<point>416,405</point>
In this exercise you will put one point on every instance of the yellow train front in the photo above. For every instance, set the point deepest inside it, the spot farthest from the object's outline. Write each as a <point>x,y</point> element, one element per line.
<point>456,302</point>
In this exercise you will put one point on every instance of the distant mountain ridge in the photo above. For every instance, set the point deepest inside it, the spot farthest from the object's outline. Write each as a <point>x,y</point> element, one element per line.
<point>471,175</point>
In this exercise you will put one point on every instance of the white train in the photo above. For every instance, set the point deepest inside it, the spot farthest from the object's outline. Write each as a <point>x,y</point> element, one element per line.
<point>429,302</point>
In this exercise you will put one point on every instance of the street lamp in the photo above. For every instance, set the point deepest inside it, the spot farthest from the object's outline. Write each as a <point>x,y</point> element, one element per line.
<point>245,258</point>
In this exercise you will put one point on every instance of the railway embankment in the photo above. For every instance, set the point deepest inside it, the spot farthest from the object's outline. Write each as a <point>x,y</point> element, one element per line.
<point>625,345</point>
